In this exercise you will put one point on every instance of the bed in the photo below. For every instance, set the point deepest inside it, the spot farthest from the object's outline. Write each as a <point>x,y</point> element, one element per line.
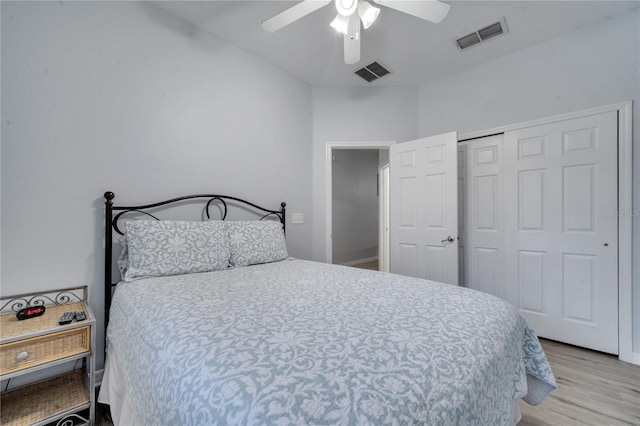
<point>267,339</point>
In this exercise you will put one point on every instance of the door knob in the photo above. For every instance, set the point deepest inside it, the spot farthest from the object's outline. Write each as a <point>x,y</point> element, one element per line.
<point>450,239</point>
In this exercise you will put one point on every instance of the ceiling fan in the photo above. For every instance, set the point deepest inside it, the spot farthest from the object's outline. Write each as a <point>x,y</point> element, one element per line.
<point>352,12</point>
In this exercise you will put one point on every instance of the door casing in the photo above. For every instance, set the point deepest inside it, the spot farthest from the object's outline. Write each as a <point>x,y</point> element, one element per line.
<point>383,227</point>
<point>330,146</point>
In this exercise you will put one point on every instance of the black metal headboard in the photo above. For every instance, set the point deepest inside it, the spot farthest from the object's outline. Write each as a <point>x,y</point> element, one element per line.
<point>111,224</point>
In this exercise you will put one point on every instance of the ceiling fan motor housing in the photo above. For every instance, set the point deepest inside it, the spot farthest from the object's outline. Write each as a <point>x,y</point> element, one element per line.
<point>346,7</point>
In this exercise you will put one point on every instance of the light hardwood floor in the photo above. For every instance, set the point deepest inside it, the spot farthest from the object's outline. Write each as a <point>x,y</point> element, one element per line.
<point>368,265</point>
<point>593,389</point>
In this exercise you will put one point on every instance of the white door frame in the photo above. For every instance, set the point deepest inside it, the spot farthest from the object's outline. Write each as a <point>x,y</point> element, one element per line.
<point>383,218</point>
<point>625,208</point>
<point>329,181</point>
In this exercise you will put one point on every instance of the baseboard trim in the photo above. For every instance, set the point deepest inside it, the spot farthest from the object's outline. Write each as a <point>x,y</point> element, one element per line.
<point>357,262</point>
<point>98,378</point>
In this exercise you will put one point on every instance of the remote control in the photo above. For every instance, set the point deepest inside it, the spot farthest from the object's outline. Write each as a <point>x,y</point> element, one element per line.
<point>81,316</point>
<point>66,318</point>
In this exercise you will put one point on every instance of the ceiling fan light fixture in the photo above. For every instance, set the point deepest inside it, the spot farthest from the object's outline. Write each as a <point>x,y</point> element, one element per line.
<point>340,24</point>
<point>349,23</point>
<point>368,14</point>
<point>346,7</point>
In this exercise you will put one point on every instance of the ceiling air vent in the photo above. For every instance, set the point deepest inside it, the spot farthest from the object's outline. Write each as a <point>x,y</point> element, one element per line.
<point>468,41</point>
<point>481,35</point>
<point>372,72</point>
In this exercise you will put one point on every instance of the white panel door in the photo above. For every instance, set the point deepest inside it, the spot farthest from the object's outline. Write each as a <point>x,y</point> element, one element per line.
<point>424,208</point>
<point>484,235</point>
<point>561,246</point>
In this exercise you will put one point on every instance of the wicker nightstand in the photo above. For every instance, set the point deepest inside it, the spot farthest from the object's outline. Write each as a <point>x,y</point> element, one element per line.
<point>41,343</point>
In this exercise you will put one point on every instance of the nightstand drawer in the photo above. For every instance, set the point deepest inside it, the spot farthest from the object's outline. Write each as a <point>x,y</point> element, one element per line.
<point>31,352</point>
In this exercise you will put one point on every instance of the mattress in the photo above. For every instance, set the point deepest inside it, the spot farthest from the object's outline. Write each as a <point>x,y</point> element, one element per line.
<point>298,342</point>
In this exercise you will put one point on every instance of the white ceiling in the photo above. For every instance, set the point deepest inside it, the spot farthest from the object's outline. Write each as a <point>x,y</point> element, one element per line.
<point>415,51</point>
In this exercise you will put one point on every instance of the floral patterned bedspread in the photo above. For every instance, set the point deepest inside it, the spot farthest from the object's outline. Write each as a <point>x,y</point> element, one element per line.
<point>298,342</point>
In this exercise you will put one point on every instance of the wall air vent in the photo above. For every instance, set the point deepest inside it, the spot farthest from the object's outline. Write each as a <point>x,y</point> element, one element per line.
<point>371,72</point>
<point>482,35</point>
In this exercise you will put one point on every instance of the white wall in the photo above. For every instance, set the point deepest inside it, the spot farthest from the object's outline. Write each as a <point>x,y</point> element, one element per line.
<point>349,114</point>
<point>596,65</point>
<point>354,204</point>
<point>121,96</point>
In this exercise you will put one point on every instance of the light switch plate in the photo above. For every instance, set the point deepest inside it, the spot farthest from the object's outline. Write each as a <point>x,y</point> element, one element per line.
<point>297,218</point>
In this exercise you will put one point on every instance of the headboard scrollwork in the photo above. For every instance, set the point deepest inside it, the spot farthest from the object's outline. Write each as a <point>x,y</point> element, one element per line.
<point>111,223</point>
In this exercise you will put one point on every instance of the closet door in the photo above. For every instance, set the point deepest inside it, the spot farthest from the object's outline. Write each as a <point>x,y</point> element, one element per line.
<point>462,213</point>
<point>561,246</point>
<point>484,230</point>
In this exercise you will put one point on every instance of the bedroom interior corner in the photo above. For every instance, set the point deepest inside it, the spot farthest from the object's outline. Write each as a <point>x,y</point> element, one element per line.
<point>131,97</point>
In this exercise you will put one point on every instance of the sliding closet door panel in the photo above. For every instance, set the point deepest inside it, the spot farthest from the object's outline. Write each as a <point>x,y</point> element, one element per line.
<point>484,234</point>
<point>462,213</point>
<point>579,288</point>
<point>561,247</point>
<point>487,269</point>
<point>531,282</point>
<point>531,202</point>
<point>486,192</point>
<point>578,186</point>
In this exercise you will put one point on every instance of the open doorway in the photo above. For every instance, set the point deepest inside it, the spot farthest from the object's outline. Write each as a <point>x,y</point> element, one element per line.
<point>354,203</point>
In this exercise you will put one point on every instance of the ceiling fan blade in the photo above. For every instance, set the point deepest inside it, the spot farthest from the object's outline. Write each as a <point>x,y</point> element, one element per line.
<point>352,41</point>
<point>429,10</point>
<point>293,14</point>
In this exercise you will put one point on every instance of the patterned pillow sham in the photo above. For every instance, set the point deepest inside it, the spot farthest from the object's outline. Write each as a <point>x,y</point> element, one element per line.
<point>123,259</point>
<point>254,242</point>
<point>160,248</point>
